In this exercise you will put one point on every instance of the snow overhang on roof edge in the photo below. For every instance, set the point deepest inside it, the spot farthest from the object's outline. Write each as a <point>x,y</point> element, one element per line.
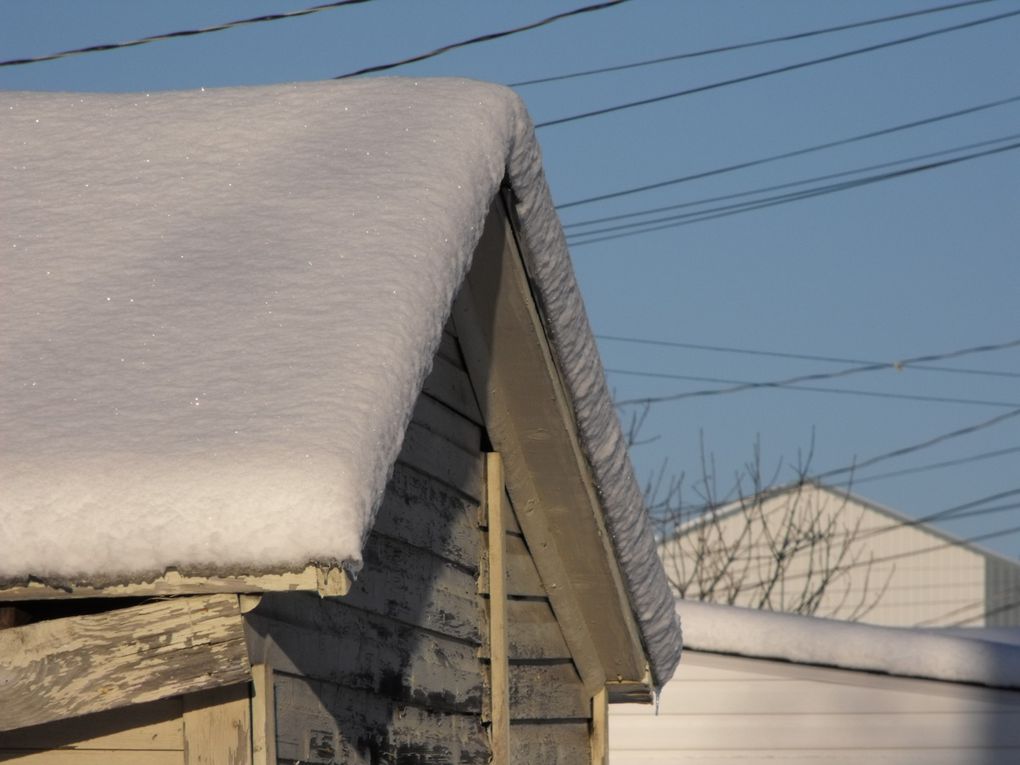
<point>815,641</point>
<point>602,438</point>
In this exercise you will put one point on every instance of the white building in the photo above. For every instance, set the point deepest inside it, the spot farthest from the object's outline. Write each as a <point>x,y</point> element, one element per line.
<point>756,686</point>
<point>890,569</point>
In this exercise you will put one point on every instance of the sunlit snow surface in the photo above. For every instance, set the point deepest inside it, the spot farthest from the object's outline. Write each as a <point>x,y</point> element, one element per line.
<point>218,307</point>
<point>984,657</point>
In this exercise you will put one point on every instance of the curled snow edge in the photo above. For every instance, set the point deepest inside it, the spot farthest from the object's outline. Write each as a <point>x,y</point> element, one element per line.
<point>601,435</point>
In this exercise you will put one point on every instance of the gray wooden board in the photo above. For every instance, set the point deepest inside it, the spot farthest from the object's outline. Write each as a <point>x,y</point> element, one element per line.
<point>543,692</point>
<point>82,664</point>
<point>559,743</point>
<point>413,586</point>
<point>443,421</point>
<point>522,576</point>
<point>153,726</point>
<point>449,348</point>
<point>333,642</point>
<point>319,722</point>
<point>533,632</point>
<point>529,420</point>
<point>424,513</point>
<point>433,455</point>
<point>450,384</point>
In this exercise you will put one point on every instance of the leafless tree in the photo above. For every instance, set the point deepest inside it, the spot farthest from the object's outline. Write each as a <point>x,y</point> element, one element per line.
<point>764,543</point>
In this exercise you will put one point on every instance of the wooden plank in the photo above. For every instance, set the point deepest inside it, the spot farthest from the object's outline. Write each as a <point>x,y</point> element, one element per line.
<point>156,726</point>
<point>263,715</point>
<point>413,586</point>
<point>450,384</point>
<point>522,576</point>
<point>358,650</point>
<point>425,513</point>
<point>449,348</point>
<point>321,723</point>
<point>445,422</point>
<point>560,743</point>
<point>529,420</point>
<point>67,667</point>
<point>217,727</point>
<point>543,692</point>
<point>533,632</point>
<point>91,757</point>
<point>174,583</point>
<point>499,682</point>
<point>600,728</point>
<point>435,456</point>
<point>510,519</point>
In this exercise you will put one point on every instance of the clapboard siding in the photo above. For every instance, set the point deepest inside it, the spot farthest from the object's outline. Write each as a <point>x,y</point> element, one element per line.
<point>729,709</point>
<point>366,652</point>
<point>391,672</point>
<point>321,722</point>
<point>448,530</point>
<point>397,670</point>
<point>114,736</point>
<point>562,743</point>
<point>549,709</point>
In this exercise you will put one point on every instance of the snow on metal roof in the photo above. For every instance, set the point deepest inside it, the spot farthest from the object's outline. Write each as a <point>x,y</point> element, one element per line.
<point>950,656</point>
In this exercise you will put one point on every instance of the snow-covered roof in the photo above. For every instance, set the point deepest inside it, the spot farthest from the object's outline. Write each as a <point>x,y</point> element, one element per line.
<point>219,307</point>
<point>975,657</point>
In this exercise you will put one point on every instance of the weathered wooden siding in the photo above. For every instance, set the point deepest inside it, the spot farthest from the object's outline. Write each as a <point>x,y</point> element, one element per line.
<point>397,670</point>
<point>549,709</point>
<point>723,710</point>
<point>390,672</point>
<point>115,737</point>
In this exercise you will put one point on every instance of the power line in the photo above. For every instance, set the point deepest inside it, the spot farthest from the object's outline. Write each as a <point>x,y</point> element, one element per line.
<point>815,389</point>
<point>764,189</point>
<point>778,70</point>
<point>790,154</point>
<point>874,367</point>
<point>743,46</point>
<point>760,190</point>
<point>183,33</point>
<point>799,356</point>
<point>481,38</point>
<point>781,199</point>
<point>931,466</point>
<point>919,446</point>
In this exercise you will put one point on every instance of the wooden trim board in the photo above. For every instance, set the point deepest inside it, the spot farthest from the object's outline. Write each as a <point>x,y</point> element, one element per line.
<point>529,421</point>
<point>62,668</point>
<point>328,581</point>
<point>499,652</point>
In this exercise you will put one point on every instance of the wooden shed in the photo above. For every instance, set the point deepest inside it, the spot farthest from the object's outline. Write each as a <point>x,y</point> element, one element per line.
<point>758,686</point>
<point>307,454</point>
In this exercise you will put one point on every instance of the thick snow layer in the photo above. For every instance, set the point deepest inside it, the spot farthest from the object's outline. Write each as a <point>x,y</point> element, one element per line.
<point>899,651</point>
<point>219,307</point>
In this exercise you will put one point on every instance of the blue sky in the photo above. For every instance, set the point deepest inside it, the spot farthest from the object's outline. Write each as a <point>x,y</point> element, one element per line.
<point>924,264</point>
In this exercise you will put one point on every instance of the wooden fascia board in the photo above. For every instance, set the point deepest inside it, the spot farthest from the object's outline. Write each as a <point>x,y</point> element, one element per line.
<point>327,581</point>
<point>530,422</point>
<point>62,668</point>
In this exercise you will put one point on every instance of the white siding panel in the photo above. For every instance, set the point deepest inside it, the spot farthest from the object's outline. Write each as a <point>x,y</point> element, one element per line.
<point>729,710</point>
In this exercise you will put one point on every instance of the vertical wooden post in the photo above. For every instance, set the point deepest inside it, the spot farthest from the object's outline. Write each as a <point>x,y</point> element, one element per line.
<point>263,716</point>
<point>498,643</point>
<point>600,728</point>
